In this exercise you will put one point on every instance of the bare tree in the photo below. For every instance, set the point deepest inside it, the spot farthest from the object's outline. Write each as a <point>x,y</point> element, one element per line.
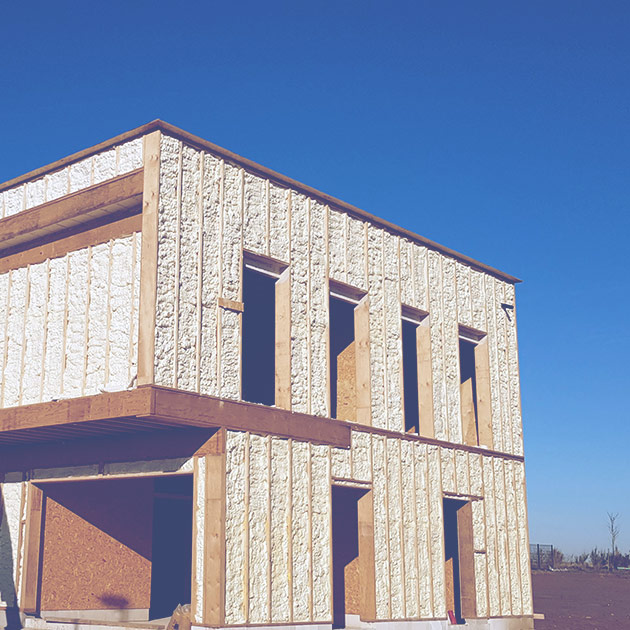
<point>613,530</point>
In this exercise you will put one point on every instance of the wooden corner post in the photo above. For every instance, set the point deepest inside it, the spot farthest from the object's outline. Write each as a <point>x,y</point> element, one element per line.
<point>148,263</point>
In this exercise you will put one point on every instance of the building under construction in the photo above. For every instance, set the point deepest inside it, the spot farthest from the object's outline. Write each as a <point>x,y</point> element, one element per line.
<point>223,388</point>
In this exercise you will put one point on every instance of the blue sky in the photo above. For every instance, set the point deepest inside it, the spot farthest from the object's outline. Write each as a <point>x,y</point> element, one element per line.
<point>499,129</point>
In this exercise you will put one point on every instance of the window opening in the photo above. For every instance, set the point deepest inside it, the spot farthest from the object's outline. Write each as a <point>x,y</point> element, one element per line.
<point>451,560</point>
<point>259,335</point>
<point>171,554</point>
<point>410,375</point>
<point>468,389</point>
<point>417,380</point>
<point>342,358</point>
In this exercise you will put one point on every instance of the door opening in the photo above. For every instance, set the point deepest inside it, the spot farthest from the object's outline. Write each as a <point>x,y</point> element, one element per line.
<point>172,545</point>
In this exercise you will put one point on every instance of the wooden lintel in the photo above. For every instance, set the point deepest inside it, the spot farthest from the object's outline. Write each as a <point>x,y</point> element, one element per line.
<point>32,223</point>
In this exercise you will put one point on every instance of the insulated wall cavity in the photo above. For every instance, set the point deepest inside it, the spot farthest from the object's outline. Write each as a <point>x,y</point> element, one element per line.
<point>277,531</point>
<point>68,325</point>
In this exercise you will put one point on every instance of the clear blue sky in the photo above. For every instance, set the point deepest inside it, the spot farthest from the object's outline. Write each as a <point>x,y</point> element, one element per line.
<point>500,129</point>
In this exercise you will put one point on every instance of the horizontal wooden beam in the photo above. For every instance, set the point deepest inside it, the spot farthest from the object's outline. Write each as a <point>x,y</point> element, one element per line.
<point>191,409</point>
<point>113,195</point>
<point>149,407</point>
<point>76,240</point>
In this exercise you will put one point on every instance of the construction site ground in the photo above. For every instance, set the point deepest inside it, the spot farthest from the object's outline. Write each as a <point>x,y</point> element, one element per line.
<point>580,600</point>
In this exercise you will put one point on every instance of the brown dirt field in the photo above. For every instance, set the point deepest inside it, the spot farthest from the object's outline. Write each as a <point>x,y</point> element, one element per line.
<point>581,600</point>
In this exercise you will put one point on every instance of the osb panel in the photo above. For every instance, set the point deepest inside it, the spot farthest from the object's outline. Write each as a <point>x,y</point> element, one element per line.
<point>97,545</point>
<point>346,384</point>
<point>351,582</point>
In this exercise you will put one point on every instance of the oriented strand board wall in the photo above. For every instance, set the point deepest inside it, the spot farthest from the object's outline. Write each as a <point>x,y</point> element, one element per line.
<point>69,325</point>
<point>211,209</point>
<point>278,527</point>
<point>93,170</point>
<point>97,533</point>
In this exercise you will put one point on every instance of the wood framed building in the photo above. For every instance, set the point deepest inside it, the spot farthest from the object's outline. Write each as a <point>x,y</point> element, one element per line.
<point>221,387</point>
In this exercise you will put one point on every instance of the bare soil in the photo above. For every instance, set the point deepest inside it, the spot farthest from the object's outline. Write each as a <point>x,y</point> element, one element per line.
<point>582,600</point>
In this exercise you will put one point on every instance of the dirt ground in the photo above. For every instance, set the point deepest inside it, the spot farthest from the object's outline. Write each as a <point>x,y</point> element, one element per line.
<point>582,600</point>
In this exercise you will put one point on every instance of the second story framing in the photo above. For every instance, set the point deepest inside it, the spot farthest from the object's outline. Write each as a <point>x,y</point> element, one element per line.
<point>156,296</point>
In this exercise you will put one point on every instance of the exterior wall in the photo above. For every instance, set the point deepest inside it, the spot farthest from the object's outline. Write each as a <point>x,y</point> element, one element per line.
<point>93,170</point>
<point>210,210</point>
<point>278,527</point>
<point>69,325</point>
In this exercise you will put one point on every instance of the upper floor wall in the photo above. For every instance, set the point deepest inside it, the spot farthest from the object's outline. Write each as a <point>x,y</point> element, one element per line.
<point>211,210</point>
<point>69,304</point>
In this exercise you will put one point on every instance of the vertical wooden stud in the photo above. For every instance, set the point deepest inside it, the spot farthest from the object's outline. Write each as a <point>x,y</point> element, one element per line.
<point>466,561</point>
<point>367,582</point>
<point>469,426</point>
<point>484,404</point>
<point>362,360</point>
<point>283,340</point>
<point>214,569</point>
<point>148,262</point>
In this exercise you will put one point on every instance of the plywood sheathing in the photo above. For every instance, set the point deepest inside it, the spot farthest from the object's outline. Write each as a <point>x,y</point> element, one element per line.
<point>97,534</point>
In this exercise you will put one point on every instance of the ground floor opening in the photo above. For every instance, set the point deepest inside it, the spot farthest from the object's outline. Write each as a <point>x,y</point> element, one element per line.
<point>114,549</point>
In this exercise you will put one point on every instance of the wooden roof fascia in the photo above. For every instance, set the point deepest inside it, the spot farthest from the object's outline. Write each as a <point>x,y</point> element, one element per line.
<point>268,173</point>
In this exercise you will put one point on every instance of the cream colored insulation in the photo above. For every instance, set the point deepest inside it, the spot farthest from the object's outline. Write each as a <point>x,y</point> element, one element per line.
<point>69,324</point>
<point>210,210</point>
<point>92,170</point>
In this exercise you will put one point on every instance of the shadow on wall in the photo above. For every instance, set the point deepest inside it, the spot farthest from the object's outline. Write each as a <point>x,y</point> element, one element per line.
<point>7,570</point>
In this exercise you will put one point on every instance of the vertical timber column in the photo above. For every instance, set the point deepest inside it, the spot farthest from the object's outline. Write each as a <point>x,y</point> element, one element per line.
<point>466,561</point>
<point>484,405</point>
<point>283,340</point>
<point>148,263</point>
<point>367,579</point>
<point>32,550</point>
<point>362,361</point>
<point>212,539</point>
